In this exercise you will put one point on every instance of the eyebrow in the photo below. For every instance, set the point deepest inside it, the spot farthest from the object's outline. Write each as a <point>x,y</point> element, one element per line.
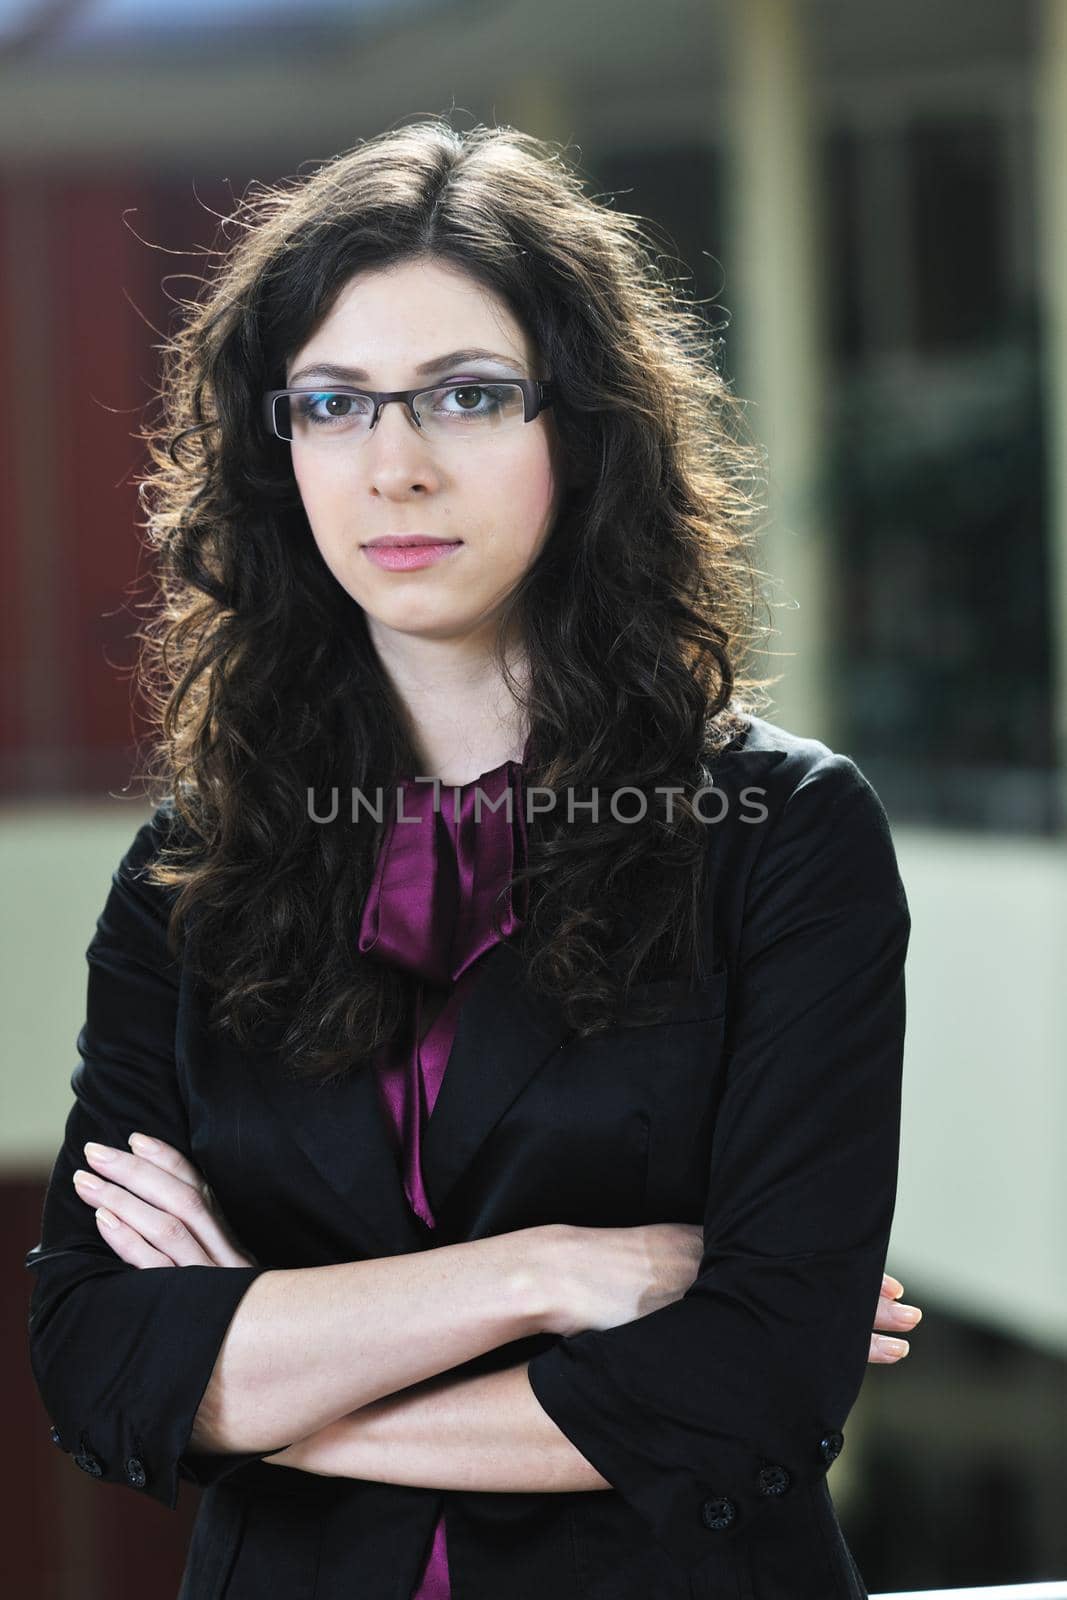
<point>454,358</point>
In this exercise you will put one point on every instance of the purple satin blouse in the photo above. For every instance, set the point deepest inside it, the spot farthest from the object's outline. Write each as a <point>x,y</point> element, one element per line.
<point>428,911</point>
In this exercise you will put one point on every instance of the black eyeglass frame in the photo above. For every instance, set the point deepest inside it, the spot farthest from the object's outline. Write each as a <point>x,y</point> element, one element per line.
<point>537,394</point>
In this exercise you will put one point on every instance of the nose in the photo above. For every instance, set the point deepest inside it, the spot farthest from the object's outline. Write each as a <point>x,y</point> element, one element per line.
<point>397,452</point>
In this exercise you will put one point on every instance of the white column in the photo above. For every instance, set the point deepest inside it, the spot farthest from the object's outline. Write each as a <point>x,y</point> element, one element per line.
<point>776,357</point>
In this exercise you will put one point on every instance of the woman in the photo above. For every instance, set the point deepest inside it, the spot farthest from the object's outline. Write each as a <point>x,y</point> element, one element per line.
<point>630,1241</point>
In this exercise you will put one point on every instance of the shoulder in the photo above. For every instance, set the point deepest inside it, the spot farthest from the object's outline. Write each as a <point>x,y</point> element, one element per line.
<point>790,761</point>
<point>809,809</point>
<point>163,830</point>
<point>157,842</point>
<point>755,736</point>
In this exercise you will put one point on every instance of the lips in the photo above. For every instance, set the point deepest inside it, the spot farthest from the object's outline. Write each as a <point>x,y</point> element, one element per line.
<point>409,554</point>
<point>406,541</point>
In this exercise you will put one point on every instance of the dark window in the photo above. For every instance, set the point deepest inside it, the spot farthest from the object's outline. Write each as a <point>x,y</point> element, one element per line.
<point>941,641</point>
<point>958,232</point>
<point>679,191</point>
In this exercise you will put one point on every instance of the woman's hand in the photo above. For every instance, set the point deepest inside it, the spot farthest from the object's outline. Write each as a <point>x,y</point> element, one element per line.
<point>602,1277</point>
<point>163,1211</point>
<point>892,1317</point>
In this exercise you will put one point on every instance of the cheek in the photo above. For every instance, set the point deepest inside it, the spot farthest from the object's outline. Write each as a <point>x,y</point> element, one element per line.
<point>317,495</point>
<point>324,506</point>
<point>519,509</point>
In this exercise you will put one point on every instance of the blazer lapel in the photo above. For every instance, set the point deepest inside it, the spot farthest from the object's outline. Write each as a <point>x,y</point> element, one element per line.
<point>505,1034</point>
<point>343,1132</point>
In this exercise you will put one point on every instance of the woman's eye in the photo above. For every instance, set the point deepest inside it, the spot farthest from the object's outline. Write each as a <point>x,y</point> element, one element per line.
<point>328,407</point>
<point>469,397</point>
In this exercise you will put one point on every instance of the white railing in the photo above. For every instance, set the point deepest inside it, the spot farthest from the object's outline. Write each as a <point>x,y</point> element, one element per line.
<point>1056,1590</point>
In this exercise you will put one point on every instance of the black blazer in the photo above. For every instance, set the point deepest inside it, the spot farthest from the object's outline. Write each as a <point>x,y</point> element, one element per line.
<point>767,1107</point>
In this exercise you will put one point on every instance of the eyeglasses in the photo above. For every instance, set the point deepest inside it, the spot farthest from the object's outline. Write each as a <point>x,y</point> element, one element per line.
<point>452,411</point>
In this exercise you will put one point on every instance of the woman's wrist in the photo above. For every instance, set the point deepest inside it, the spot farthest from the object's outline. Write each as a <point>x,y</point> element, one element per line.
<point>535,1279</point>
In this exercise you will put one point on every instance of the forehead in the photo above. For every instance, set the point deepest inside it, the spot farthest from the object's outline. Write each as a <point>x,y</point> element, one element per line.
<point>388,320</point>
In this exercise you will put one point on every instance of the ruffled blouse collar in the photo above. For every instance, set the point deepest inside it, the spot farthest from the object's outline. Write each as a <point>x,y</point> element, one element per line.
<point>439,871</point>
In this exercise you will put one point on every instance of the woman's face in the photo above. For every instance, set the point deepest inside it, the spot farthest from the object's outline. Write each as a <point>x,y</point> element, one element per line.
<point>498,495</point>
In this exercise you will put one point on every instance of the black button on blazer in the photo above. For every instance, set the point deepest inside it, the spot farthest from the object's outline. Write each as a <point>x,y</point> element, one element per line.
<point>766,1107</point>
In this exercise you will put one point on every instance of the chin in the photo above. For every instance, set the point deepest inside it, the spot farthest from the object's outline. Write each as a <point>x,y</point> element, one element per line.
<point>436,624</point>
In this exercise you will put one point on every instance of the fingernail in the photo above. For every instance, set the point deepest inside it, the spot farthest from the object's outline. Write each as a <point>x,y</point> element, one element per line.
<point>85,1180</point>
<point>106,1219</point>
<point>892,1283</point>
<point>142,1143</point>
<point>99,1152</point>
<point>897,1347</point>
<point>909,1314</point>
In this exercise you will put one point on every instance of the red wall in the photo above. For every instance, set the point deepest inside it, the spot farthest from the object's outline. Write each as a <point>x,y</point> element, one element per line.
<point>66,1536</point>
<point>90,267</point>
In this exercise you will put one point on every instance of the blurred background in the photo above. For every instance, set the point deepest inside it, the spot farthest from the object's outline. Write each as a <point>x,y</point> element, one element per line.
<point>872,199</point>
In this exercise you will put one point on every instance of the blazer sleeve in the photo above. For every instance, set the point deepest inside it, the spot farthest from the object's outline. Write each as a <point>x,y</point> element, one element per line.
<point>122,1355</point>
<point>712,1414</point>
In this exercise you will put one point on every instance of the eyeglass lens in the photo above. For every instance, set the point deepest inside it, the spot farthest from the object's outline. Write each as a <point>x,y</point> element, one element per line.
<point>456,411</point>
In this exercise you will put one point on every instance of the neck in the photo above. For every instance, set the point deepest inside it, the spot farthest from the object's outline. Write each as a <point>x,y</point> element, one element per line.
<point>462,717</point>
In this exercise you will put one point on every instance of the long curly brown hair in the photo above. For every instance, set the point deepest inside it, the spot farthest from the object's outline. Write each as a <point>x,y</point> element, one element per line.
<point>256,667</point>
